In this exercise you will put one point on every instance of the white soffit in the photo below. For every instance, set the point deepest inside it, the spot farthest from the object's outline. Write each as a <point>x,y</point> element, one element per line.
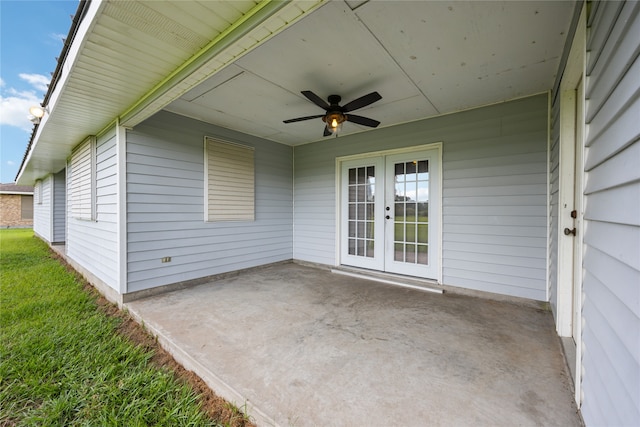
<point>124,54</point>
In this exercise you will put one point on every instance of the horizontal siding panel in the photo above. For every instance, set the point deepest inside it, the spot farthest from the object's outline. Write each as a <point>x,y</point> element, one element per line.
<point>495,260</point>
<point>618,241</point>
<point>522,210</point>
<point>480,267</point>
<point>476,171</point>
<point>615,316</point>
<point>498,190</point>
<point>494,230</point>
<point>601,26</point>
<point>499,220</point>
<point>621,377</point>
<point>507,240</point>
<point>495,249</point>
<point>611,311</point>
<point>620,50</point>
<point>165,163</point>
<point>624,284</point>
<point>491,283</point>
<point>621,169</point>
<point>540,201</point>
<point>618,205</point>
<point>499,181</point>
<point>614,106</point>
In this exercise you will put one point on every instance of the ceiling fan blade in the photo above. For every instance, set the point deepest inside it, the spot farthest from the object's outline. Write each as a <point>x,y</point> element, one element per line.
<point>315,99</point>
<point>363,101</point>
<point>365,121</point>
<point>299,119</point>
<point>326,132</point>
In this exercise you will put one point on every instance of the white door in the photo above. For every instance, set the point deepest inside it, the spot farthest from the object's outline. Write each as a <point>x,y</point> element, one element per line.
<point>391,213</point>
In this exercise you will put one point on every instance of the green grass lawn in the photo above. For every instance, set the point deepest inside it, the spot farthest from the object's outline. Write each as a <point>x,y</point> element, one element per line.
<point>62,363</point>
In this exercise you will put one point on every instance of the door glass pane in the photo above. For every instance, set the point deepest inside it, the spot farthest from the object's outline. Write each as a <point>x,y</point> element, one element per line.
<point>361,196</point>
<point>398,253</point>
<point>423,254</point>
<point>411,221</point>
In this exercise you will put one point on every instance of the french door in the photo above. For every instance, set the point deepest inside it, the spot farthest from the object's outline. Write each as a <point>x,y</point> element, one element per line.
<point>390,213</point>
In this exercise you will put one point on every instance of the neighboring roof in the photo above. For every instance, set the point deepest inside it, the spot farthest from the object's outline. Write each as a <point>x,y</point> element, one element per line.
<point>15,189</point>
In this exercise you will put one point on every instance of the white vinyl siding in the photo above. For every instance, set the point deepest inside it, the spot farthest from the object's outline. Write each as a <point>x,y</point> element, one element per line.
<point>494,194</point>
<point>94,244</point>
<point>81,185</point>
<point>611,286</point>
<point>229,181</point>
<point>165,205</point>
<point>42,208</point>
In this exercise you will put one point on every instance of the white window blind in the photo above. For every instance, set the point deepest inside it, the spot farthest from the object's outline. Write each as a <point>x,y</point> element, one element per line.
<point>81,184</point>
<point>229,181</point>
<point>37,192</point>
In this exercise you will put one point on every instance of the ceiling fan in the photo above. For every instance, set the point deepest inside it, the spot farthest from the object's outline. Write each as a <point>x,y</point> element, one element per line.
<point>336,115</point>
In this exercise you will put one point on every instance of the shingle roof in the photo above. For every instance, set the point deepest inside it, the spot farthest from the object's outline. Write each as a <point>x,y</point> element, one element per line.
<point>15,189</point>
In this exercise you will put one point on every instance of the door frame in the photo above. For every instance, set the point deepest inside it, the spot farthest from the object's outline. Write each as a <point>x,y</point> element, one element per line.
<point>570,197</point>
<point>383,153</point>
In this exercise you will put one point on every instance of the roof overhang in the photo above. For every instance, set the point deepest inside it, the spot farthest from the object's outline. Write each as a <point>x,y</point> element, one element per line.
<point>242,64</point>
<point>128,60</point>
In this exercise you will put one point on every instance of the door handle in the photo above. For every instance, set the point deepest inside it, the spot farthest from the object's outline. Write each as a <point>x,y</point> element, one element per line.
<point>569,231</point>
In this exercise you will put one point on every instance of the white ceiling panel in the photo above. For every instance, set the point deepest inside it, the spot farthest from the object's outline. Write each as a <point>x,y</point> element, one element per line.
<point>425,58</point>
<point>463,54</point>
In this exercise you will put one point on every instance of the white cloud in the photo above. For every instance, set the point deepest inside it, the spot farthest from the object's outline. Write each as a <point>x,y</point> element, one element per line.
<point>15,109</point>
<point>15,104</point>
<point>38,81</point>
<point>58,37</point>
<point>10,162</point>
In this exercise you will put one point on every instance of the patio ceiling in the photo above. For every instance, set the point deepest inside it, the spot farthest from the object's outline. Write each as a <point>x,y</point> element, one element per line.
<point>242,64</point>
<point>424,57</point>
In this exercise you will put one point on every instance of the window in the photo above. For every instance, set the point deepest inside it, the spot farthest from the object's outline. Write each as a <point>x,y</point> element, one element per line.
<point>26,207</point>
<point>229,181</point>
<point>82,178</point>
<point>37,192</point>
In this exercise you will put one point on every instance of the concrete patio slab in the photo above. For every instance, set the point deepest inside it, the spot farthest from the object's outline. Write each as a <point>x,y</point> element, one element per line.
<point>300,346</point>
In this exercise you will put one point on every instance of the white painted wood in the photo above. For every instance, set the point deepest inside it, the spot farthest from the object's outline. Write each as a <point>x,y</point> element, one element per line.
<point>569,182</point>
<point>344,189</point>
<point>432,269</point>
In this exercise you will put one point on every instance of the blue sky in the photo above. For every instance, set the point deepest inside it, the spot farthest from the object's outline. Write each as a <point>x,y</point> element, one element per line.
<point>31,34</point>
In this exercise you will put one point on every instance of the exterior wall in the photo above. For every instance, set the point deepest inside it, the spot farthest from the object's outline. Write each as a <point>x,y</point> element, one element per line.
<point>11,206</point>
<point>42,210</point>
<point>611,287</point>
<point>59,206</point>
<point>94,244</point>
<point>165,205</point>
<point>494,194</point>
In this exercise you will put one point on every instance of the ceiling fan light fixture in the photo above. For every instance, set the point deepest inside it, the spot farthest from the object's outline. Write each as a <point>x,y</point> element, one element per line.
<point>334,121</point>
